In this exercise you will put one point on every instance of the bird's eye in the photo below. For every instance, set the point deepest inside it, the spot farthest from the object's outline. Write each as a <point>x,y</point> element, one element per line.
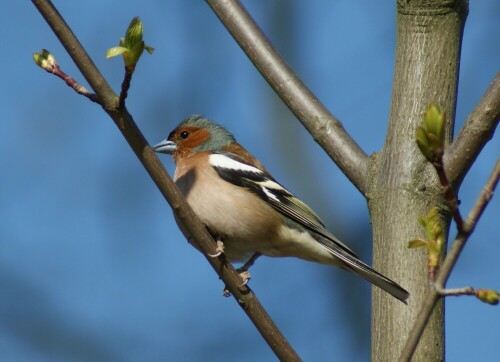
<point>184,134</point>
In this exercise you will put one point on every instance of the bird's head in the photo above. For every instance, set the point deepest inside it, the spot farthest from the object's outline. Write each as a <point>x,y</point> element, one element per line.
<point>193,135</point>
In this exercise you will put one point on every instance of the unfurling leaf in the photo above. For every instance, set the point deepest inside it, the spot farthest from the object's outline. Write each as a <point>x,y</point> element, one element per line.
<point>434,243</point>
<point>115,51</point>
<point>417,243</point>
<point>132,46</point>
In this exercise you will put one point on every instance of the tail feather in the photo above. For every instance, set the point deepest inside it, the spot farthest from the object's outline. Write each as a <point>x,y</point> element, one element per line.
<point>374,277</point>
<point>352,263</point>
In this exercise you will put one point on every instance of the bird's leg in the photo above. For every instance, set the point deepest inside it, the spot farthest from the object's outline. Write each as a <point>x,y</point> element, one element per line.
<point>244,274</point>
<point>218,250</point>
<point>243,271</point>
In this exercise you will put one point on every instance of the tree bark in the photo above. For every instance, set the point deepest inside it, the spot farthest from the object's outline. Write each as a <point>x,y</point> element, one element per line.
<point>402,184</point>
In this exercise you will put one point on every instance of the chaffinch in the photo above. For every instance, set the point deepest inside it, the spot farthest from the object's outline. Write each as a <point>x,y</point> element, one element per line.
<point>244,207</point>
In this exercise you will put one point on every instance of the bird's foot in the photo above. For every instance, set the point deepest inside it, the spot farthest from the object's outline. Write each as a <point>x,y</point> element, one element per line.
<point>218,250</point>
<point>243,272</point>
<point>245,276</point>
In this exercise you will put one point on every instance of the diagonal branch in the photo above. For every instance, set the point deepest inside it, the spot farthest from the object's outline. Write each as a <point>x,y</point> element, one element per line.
<point>474,135</point>
<point>449,262</point>
<point>191,226</point>
<point>326,130</point>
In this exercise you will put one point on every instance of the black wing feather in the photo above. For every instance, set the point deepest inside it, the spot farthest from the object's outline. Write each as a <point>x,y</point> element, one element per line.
<point>260,183</point>
<point>283,201</point>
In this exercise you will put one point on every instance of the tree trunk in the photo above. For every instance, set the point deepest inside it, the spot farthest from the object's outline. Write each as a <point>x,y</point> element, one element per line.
<point>402,185</point>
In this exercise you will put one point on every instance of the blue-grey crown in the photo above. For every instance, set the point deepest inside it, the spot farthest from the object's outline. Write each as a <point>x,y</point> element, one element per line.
<point>219,136</point>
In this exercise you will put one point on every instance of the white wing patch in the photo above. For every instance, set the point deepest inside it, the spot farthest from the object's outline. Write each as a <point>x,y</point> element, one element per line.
<point>266,185</point>
<point>270,194</point>
<point>270,184</point>
<point>218,160</point>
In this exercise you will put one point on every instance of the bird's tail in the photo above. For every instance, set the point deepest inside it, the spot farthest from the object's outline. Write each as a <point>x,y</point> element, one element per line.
<point>374,277</point>
<point>352,263</point>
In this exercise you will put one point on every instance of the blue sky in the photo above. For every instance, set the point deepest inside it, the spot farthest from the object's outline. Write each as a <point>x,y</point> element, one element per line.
<point>92,266</point>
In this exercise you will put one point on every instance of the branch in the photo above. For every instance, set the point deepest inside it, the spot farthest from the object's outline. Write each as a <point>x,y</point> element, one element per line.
<point>326,130</point>
<point>47,62</point>
<point>125,86</point>
<point>469,225</point>
<point>191,225</point>
<point>474,135</point>
<point>456,292</point>
<point>489,296</point>
<point>434,293</point>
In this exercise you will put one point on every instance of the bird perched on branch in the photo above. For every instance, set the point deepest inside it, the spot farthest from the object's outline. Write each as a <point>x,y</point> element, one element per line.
<point>246,209</point>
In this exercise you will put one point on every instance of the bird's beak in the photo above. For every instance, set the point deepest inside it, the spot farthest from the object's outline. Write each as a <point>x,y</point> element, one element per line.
<point>165,146</point>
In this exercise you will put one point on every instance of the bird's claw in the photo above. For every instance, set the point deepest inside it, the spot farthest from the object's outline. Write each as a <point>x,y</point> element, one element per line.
<point>245,276</point>
<point>218,250</point>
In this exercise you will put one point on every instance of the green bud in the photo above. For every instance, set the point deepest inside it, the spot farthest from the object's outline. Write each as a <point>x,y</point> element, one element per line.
<point>488,296</point>
<point>132,56</point>
<point>434,120</point>
<point>430,136</point>
<point>423,143</point>
<point>132,46</point>
<point>134,33</point>
<point>37,57</point>
<point>45,60</point>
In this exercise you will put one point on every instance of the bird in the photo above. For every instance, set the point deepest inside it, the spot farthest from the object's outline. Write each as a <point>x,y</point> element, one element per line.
<point>246,210</point>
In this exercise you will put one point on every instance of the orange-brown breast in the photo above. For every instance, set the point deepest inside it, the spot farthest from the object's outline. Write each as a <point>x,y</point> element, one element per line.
<point>244,222</point>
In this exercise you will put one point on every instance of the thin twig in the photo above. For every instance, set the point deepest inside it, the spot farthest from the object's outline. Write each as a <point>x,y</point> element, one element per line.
<point>449,262</point>
<point>469,225</point>
<point>129,71</point>
<point>321,124</point>
<point>54,68</point>
<point>449,194</point>
<point>456,292</point>
<point>191,226</point>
